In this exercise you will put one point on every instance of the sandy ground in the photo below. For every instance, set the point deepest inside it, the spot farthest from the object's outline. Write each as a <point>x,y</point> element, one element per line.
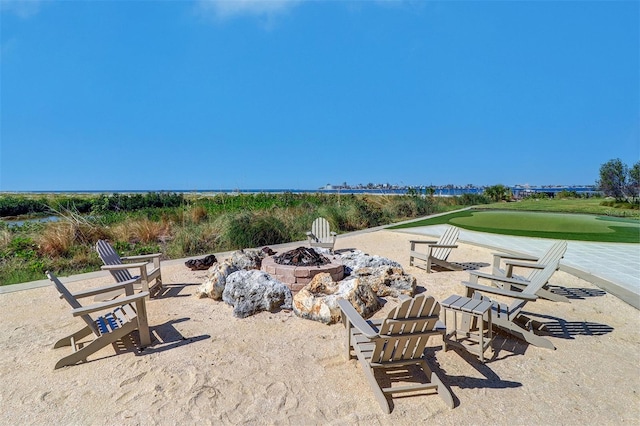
<point>207,367</point>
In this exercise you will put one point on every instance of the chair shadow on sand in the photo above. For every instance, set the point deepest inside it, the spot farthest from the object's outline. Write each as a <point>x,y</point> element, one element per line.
<point>562,329</point>
<point>505,345</point>
<point>163,337</point>
<point>490,379</point>
<point>174,290</point>
<point>464,266</point>
<point>576,293</point>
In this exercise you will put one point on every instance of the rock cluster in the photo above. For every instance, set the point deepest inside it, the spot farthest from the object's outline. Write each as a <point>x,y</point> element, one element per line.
<point>238,282</point>
<point>216,280</point>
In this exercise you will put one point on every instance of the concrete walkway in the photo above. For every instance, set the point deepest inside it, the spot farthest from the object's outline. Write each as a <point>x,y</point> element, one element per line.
<point>614,267</point>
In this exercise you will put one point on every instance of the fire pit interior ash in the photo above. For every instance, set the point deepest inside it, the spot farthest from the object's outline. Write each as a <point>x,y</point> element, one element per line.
<point>302,256</point>
<point>296,268</point>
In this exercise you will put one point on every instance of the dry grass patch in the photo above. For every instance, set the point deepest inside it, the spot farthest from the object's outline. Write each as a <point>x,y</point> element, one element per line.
<point>143,230</point>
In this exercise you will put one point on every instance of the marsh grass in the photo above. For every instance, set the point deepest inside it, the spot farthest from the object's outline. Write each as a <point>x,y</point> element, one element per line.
<point>204,225</point>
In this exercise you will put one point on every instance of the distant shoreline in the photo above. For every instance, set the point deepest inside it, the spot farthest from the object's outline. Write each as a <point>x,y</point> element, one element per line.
<point>447,190</point>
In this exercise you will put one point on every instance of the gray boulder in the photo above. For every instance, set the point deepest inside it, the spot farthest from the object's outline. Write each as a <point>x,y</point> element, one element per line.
<point>387,280</point>
<point>357,259</point>
<point>247,259</point>
<point>254,291</point>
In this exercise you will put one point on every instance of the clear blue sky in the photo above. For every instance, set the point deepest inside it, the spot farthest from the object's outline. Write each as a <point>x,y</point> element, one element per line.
<point>194,95</point>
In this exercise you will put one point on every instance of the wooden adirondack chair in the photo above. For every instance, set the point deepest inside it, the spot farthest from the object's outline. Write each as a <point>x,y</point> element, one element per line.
<point>129,314</point>
<point>509,317</point>
<point>395,343</point>
<point>534,265</point>
<point>120,270</point>
<point>321,235</point>
<point>437,251</point>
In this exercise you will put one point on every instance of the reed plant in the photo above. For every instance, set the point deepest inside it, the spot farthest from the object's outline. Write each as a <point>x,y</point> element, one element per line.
<point>254,229</point>
<point>192,240</point>
<point>72,229</point>
<point>5,238</point>
<point>141,229</point>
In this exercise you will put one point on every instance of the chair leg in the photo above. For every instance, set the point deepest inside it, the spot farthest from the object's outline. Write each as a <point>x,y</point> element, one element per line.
<point>143,325</point>
<point>433,378</point>
<point>95,345</point>
<point>375,387</point>
<point>82,354</point>
<point>66,341</point>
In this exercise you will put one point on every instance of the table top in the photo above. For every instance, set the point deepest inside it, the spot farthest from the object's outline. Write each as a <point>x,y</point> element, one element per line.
<point>466,304</point>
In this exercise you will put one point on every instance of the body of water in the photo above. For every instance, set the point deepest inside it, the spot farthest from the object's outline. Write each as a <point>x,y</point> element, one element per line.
<point>443,191</point>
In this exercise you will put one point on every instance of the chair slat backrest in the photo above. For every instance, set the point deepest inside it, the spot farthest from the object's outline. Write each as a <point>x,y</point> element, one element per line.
<point>320,228</point>
<point>551,257</point>
<point>66,295</point>
<point>539,280</point>
<point>406,330</point>
<point>110,257</point>
<point>449,237</point>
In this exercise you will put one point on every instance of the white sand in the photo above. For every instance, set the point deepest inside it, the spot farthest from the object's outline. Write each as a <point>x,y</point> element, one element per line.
<point>207,367</point>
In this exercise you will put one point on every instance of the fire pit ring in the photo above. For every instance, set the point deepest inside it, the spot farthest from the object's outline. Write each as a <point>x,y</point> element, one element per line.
<point>296,277</point>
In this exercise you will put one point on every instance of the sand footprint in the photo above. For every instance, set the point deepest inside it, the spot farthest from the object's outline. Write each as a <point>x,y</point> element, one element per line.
<point>280,397</point>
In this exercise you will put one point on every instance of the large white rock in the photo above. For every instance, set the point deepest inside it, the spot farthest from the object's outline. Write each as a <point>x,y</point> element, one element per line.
<point>214,284</point>
<point>318,300</point>
<point>254,291</point>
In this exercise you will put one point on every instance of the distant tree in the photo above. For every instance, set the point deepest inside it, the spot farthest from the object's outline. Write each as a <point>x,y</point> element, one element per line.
<point>613,179</point>
<point>634,180</point>
<point>430,190</point>
<point>497,192</point>
<point>413,192</point>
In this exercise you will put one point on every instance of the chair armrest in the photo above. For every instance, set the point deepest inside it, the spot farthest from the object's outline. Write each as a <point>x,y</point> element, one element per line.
<point>123,266</point>
<point>109,304</point>
<point>525,264</point>
<point>497,278</point>
<point>422,242</point>
<point>443,245</point>
<point>105,289</point>
<point>499,291</point>
<point>141,257</point>
<point>515,256</point>
<point>356,320</point>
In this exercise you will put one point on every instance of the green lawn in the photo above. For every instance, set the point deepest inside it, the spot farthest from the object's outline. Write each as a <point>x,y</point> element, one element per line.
<point>563,226</point>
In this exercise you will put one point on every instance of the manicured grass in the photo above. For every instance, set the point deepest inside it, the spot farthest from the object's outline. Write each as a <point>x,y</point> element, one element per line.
<point>563,226</point>
<point>566,205</point>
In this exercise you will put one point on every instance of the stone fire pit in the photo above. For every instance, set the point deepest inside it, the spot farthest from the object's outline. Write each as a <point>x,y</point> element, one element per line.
<point>296,268</point>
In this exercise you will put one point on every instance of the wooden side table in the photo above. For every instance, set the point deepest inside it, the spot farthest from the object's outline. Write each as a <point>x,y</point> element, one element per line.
<point>474,340</point>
